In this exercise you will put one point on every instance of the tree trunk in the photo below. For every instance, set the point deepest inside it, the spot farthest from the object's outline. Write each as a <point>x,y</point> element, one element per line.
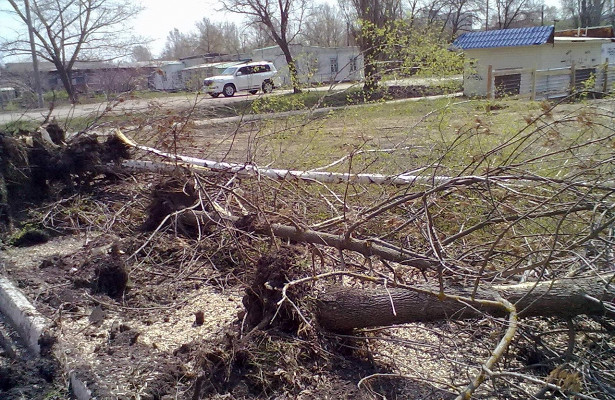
<point>66,82</point>
<point>344,309</point>
<point>369,69</point>
<point>292,68</point>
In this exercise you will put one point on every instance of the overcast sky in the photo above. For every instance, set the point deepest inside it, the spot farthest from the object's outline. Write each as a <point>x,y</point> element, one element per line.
<point>155,21</point>
<point>161,16</point>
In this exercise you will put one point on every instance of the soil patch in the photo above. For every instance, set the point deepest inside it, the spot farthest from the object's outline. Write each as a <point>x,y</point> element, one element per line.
<point>24,376</point>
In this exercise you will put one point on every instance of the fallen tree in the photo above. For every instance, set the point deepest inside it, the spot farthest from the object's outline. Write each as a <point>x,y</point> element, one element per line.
<point>36,165</point>
<point>344,309</point>
<point>316,175</point>
<point>445,242</point>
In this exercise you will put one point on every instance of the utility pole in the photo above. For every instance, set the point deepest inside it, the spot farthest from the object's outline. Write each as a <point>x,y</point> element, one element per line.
<point>487,17</point>
<point>542,15</point>
<point>37,77</point>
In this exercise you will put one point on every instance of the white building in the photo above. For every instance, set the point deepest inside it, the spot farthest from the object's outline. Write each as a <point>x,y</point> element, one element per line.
<point>168,76</point>
<point>315,64</point>
<point>534,61</point>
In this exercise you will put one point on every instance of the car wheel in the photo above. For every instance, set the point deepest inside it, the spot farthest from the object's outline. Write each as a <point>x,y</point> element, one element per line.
<point>229,90</point>
<point>214,94</point>
<point>267,87</point>
<point>253,91</point>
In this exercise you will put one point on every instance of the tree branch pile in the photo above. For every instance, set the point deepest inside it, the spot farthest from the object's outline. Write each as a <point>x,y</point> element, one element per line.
<point>512,231</point>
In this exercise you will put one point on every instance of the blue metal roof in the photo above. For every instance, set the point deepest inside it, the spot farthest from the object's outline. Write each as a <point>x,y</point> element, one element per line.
<point>505,38</point>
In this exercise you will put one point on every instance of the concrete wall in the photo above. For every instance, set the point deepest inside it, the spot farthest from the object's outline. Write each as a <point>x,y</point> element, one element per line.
<point>562,54</point>
<point>314,63</point>
<point>168,77</point>
<point>608,53</point>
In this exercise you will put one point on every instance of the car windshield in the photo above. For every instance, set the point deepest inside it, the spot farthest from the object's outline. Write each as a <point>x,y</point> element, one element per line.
<point>229,71</point>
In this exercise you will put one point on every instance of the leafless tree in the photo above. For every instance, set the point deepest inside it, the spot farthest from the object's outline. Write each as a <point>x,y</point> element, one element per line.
<point>255,36</point>
<point>507,12</point>
<point>462,16</point>
<point>283,20</point>
<point>371,18</point>
<point>324,28</point>
<point>179,45</point>
<point>70,30</point>
<point>450,16</point>
<point>221,37</point>
<point>141,53</point>
<point>586,13</point>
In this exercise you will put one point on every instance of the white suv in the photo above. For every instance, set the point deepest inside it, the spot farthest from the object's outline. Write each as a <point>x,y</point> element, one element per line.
<point>250,77</point>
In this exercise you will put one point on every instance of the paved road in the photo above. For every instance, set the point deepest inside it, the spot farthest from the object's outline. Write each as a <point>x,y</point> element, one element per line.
<point>184,101</point>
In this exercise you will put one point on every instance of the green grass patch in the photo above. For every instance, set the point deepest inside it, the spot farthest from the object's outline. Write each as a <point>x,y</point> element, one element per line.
<point>17,127</point>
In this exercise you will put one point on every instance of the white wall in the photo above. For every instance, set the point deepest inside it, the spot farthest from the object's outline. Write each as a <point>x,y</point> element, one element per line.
<point>475,74</point>
<point>562,54</point>
<point>168,77</point>
<point>608,53</point>
<point>314,63</point>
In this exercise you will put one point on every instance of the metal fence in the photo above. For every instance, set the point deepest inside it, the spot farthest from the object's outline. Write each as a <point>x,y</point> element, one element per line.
<point>550,83</point>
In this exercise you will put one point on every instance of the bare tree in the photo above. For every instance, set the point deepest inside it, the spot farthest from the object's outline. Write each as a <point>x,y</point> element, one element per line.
<point>509,11</point>
<point>221,37</point>
<point>230,36</point>
<point>70,30</point>
<point>586,13</point>
<point>324,27</point>
<point>373,21</point>
<point>283,20</point>
<point>460,16</point>
<point>141,53</point>
<point>179,45</point>
<point>255,36</point>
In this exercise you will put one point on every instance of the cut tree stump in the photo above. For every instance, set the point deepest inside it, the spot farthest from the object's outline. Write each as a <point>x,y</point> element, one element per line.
<point>344,309</point>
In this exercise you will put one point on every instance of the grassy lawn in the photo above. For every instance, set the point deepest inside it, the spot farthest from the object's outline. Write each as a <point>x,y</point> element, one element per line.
<point>450,131</point>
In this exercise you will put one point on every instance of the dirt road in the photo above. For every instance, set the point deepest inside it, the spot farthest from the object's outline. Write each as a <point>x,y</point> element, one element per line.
<point>179,102</point>
<point>182,101</point>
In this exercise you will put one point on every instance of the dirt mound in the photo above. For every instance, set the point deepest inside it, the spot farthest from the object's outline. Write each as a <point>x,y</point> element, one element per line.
<point>264,293</point>
<point>33,379</point>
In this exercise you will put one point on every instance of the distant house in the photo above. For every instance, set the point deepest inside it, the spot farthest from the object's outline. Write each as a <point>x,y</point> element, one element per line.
<point>315,64</point>
<point>188,73</point>
<point>534,61</point>
<point>88,76</point>
<point>6,95</point>
<point>167,76</point>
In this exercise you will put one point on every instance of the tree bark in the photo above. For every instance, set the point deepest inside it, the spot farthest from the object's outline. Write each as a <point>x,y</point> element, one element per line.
<point>344,309</point>
<point>292,68</point>
<point>65,77</point>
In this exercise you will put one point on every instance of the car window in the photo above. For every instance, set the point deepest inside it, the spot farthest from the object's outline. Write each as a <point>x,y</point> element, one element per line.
<point>244,71</point>
<point>229,71</point>
<point>262,68</point>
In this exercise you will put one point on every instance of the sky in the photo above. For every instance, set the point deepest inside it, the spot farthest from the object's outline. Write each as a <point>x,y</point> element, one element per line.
<point>156,20</point>
<point>159,17</point>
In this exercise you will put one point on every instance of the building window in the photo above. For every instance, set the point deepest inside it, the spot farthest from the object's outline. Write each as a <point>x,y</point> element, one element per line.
<point>507,85</point>
<point>334,65</point>
<point>353,64</point>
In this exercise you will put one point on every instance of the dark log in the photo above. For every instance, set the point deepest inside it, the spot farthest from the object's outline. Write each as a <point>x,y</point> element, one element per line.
<point>368,248</point>
<point>344,309</point>
<point>365,247</point>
